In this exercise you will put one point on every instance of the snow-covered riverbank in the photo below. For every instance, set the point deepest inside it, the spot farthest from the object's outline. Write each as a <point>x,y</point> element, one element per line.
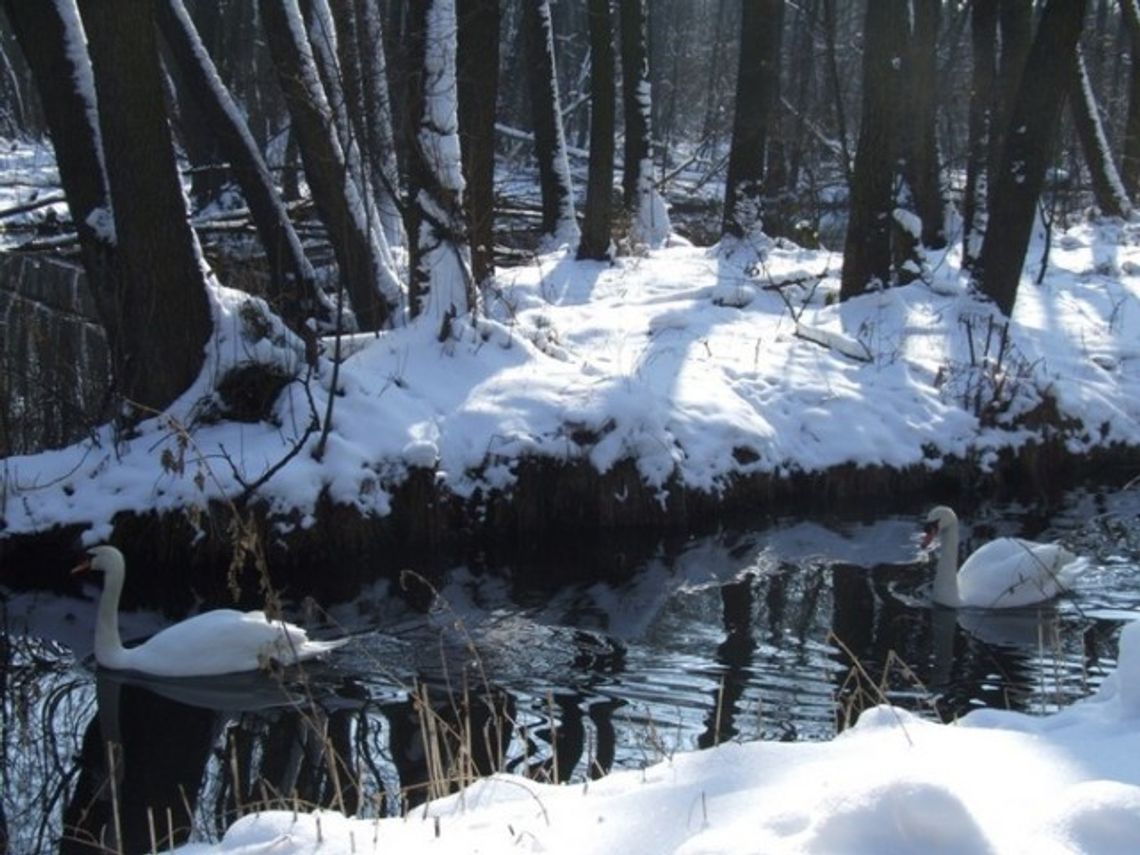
<point>690,366</point>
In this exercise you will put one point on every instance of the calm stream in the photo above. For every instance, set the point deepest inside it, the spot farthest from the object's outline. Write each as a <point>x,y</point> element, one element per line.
<point>741,635</point>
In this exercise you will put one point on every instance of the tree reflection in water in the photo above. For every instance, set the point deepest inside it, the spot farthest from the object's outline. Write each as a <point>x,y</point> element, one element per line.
<point>736,636</point>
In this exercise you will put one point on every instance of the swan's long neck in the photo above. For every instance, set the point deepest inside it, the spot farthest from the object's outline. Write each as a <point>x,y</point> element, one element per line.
<point>946,577</point>
<point>109,650</point>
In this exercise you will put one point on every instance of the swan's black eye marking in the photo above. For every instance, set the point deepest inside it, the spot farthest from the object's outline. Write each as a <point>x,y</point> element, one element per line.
<point>931,528</point>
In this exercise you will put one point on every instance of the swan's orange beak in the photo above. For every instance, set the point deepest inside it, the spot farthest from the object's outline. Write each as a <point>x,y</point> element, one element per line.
<point>81,567</point>
<point>929,532</point>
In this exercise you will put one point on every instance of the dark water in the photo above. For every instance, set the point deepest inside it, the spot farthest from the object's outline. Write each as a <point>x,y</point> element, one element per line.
<point>781,633</point>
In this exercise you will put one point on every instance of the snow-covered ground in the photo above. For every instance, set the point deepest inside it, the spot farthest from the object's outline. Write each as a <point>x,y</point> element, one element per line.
<point>993,782</point>
<point>695,363</point>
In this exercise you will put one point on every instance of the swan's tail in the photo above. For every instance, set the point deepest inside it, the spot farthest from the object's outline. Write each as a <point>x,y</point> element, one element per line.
<point>1070,567</point>
<point>312,648</point>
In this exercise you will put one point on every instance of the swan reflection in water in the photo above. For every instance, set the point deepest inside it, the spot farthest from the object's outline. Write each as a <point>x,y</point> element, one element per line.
<point>163,760</point>
<point>152,748</point>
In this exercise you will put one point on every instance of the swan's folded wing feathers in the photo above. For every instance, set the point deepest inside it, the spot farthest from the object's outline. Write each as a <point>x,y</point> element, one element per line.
<point>224,641</point>
<point>1010,572</point>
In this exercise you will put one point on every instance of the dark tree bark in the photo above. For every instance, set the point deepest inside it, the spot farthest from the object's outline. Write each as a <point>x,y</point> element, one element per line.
<point>649,220</point>
<point>1015,26</point>
<point>596,228</point>
<point>983,40</point>
<point>45,37</point>
<point>365,271</point>
<point>710,126</point>
<point>636,103</point>
<point>323,42</point>
<point>292,282</point>
<point>360,47</point>
<point>1018,181</point>
<point>477,69</point>
<point>802,83</point>
<point>756,84</point>
<point>680,19</point>
<point>829,34</point>
<point>441,281</point>
<point>163,313</point>
<point>920,157</point>
<point>1130,161</point>
<point>208,170</point>
<point>867,247</point>
<point>558,220</point>
<point>1107,187</point>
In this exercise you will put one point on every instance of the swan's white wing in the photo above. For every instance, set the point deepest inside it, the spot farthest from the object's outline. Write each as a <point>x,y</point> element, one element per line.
<point>222,641</point>
<point>1010,572</point>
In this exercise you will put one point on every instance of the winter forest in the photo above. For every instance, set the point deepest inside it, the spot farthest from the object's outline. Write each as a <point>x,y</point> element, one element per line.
<point>582,392</point>
<point>429,142</point>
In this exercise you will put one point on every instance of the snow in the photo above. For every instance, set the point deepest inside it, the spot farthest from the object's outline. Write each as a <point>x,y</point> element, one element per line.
<point>995,781</point>
<point>84,77</point>
<point>699,365</point>
<point>439,129</point>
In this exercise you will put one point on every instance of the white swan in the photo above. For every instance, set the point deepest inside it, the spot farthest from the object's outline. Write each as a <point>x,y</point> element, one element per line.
<point>223,641</point>
<point>1004,573</point>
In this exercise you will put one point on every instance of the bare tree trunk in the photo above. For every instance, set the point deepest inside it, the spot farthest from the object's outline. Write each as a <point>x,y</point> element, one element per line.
<point>365,265</point>
<point>829,28</point>
<point>756,83</point>
<point>920,158</point>
<point>558,219</point>
<point>649,220</point>
<point>1130,161</point>
<point>162,310</point>
<point>361,46</point>
<point>712,88</point>
<point>208,170</point>
<point>477,62</point>
<point>1107,187</point>
<point>596,229</point>
<point>803,83</point>
<point>983,39</point>
<point>441,282</point>
<point>324,44</point>
<point>293,287</point>
<point>636,104</point>
<point>1015,26</point>
<point>52,42</point>
<point>867,247</point>
<point>1017,183</point>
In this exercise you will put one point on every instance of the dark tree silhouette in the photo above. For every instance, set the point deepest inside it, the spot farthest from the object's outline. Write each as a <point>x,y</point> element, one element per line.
<point>1017,183</point>
<point>636,104</point>
<point>1106,184</point>
<point>1015,34</point>
<point>293,288</point>
<point>867,248</point>
<point>162,314</point>
<point>477,71</point>
<point>365,268</point>
<point>1130,161</point>
<point>983,42</point>
<point>920,139</point>
<point>546,116</point>
<point>756,84</point>
<point>596,229</point>
<point>45,35</point>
